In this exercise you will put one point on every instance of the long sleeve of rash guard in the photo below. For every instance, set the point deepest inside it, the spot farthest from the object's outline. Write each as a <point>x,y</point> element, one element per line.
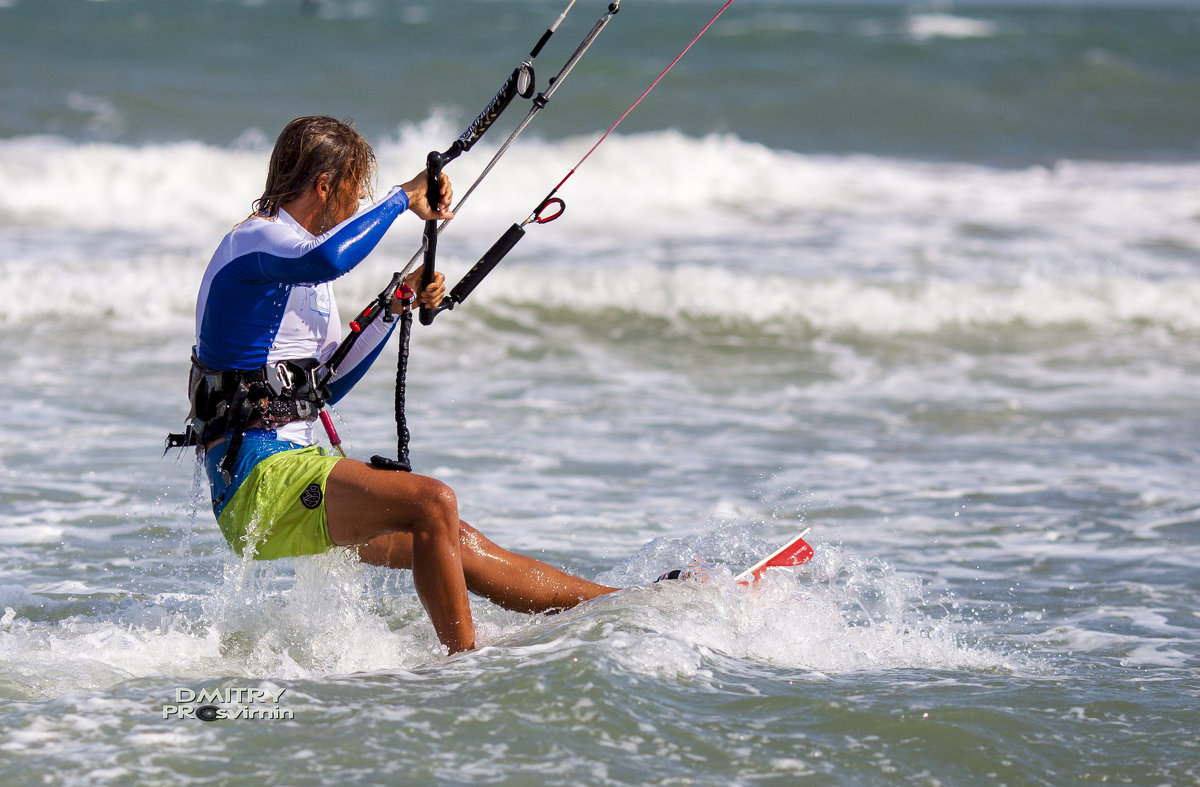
<point>338,251</point>
<point>266,294</point>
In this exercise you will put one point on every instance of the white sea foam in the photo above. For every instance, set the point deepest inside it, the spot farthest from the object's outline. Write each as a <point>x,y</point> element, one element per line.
<point>841,305</point>
<point>840,614</point>
<point>259,622</point>
<point>707,186</point>
<point>831,243</point>
<point>933,25</point>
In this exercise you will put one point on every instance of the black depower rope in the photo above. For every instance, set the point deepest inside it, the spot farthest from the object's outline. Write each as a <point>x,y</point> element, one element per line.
<point>519,83</point>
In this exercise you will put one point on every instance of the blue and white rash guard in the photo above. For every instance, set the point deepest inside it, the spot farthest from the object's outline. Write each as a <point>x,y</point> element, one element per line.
<point>267,296</point>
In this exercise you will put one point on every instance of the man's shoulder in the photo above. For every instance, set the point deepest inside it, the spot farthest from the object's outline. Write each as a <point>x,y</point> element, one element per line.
<point>261,230</point>
<point>256,234</point>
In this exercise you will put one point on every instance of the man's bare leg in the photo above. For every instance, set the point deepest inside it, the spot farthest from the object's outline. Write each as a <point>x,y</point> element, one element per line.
<point>363,503</point>
<point>510,580</point>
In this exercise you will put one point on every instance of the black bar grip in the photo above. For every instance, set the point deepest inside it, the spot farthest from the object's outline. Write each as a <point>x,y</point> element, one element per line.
<point>433,195</point>
<point>433,169</point>
<point>486,263</point>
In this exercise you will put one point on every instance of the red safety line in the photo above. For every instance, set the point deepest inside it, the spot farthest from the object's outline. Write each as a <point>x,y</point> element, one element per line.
<point>644,94</point>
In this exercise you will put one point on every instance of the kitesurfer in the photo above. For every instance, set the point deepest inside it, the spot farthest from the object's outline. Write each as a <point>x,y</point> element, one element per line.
<point>265,321</point>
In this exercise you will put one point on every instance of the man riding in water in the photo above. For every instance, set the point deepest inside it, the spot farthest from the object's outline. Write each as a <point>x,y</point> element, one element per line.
<point>265,321</point>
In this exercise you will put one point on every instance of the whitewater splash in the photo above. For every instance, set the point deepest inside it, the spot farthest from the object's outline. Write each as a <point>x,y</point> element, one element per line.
<point>329,615</point>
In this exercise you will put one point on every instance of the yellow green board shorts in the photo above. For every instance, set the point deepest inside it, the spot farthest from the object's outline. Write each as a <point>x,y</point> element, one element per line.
<point>279,509</point>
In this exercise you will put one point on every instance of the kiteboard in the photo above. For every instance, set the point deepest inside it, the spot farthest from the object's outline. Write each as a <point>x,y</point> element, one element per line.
<point>794,553</point>
<point>545,628</point>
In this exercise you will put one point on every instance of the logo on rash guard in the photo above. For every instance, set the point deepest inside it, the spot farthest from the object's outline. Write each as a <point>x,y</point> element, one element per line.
<point>320,300</point>
<point>311,496</point>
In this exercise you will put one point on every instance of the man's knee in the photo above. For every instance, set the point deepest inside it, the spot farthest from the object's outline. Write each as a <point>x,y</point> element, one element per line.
<point>438,506</point>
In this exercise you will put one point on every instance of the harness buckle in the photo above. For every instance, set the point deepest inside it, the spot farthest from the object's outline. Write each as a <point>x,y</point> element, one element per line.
<point>285,379</point>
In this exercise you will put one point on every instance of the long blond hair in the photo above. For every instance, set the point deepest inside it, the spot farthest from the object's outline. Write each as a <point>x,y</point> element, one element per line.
<point>309,147</point>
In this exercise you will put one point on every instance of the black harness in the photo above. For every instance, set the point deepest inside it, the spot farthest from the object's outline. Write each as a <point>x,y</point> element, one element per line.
<point>227,402</point>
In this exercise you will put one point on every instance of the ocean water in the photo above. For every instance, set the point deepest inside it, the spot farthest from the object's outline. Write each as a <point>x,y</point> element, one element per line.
<point>922,278</point>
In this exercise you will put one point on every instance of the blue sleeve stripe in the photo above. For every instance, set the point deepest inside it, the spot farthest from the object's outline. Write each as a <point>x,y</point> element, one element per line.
<point>341,385</point>
<point>339,250</point>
